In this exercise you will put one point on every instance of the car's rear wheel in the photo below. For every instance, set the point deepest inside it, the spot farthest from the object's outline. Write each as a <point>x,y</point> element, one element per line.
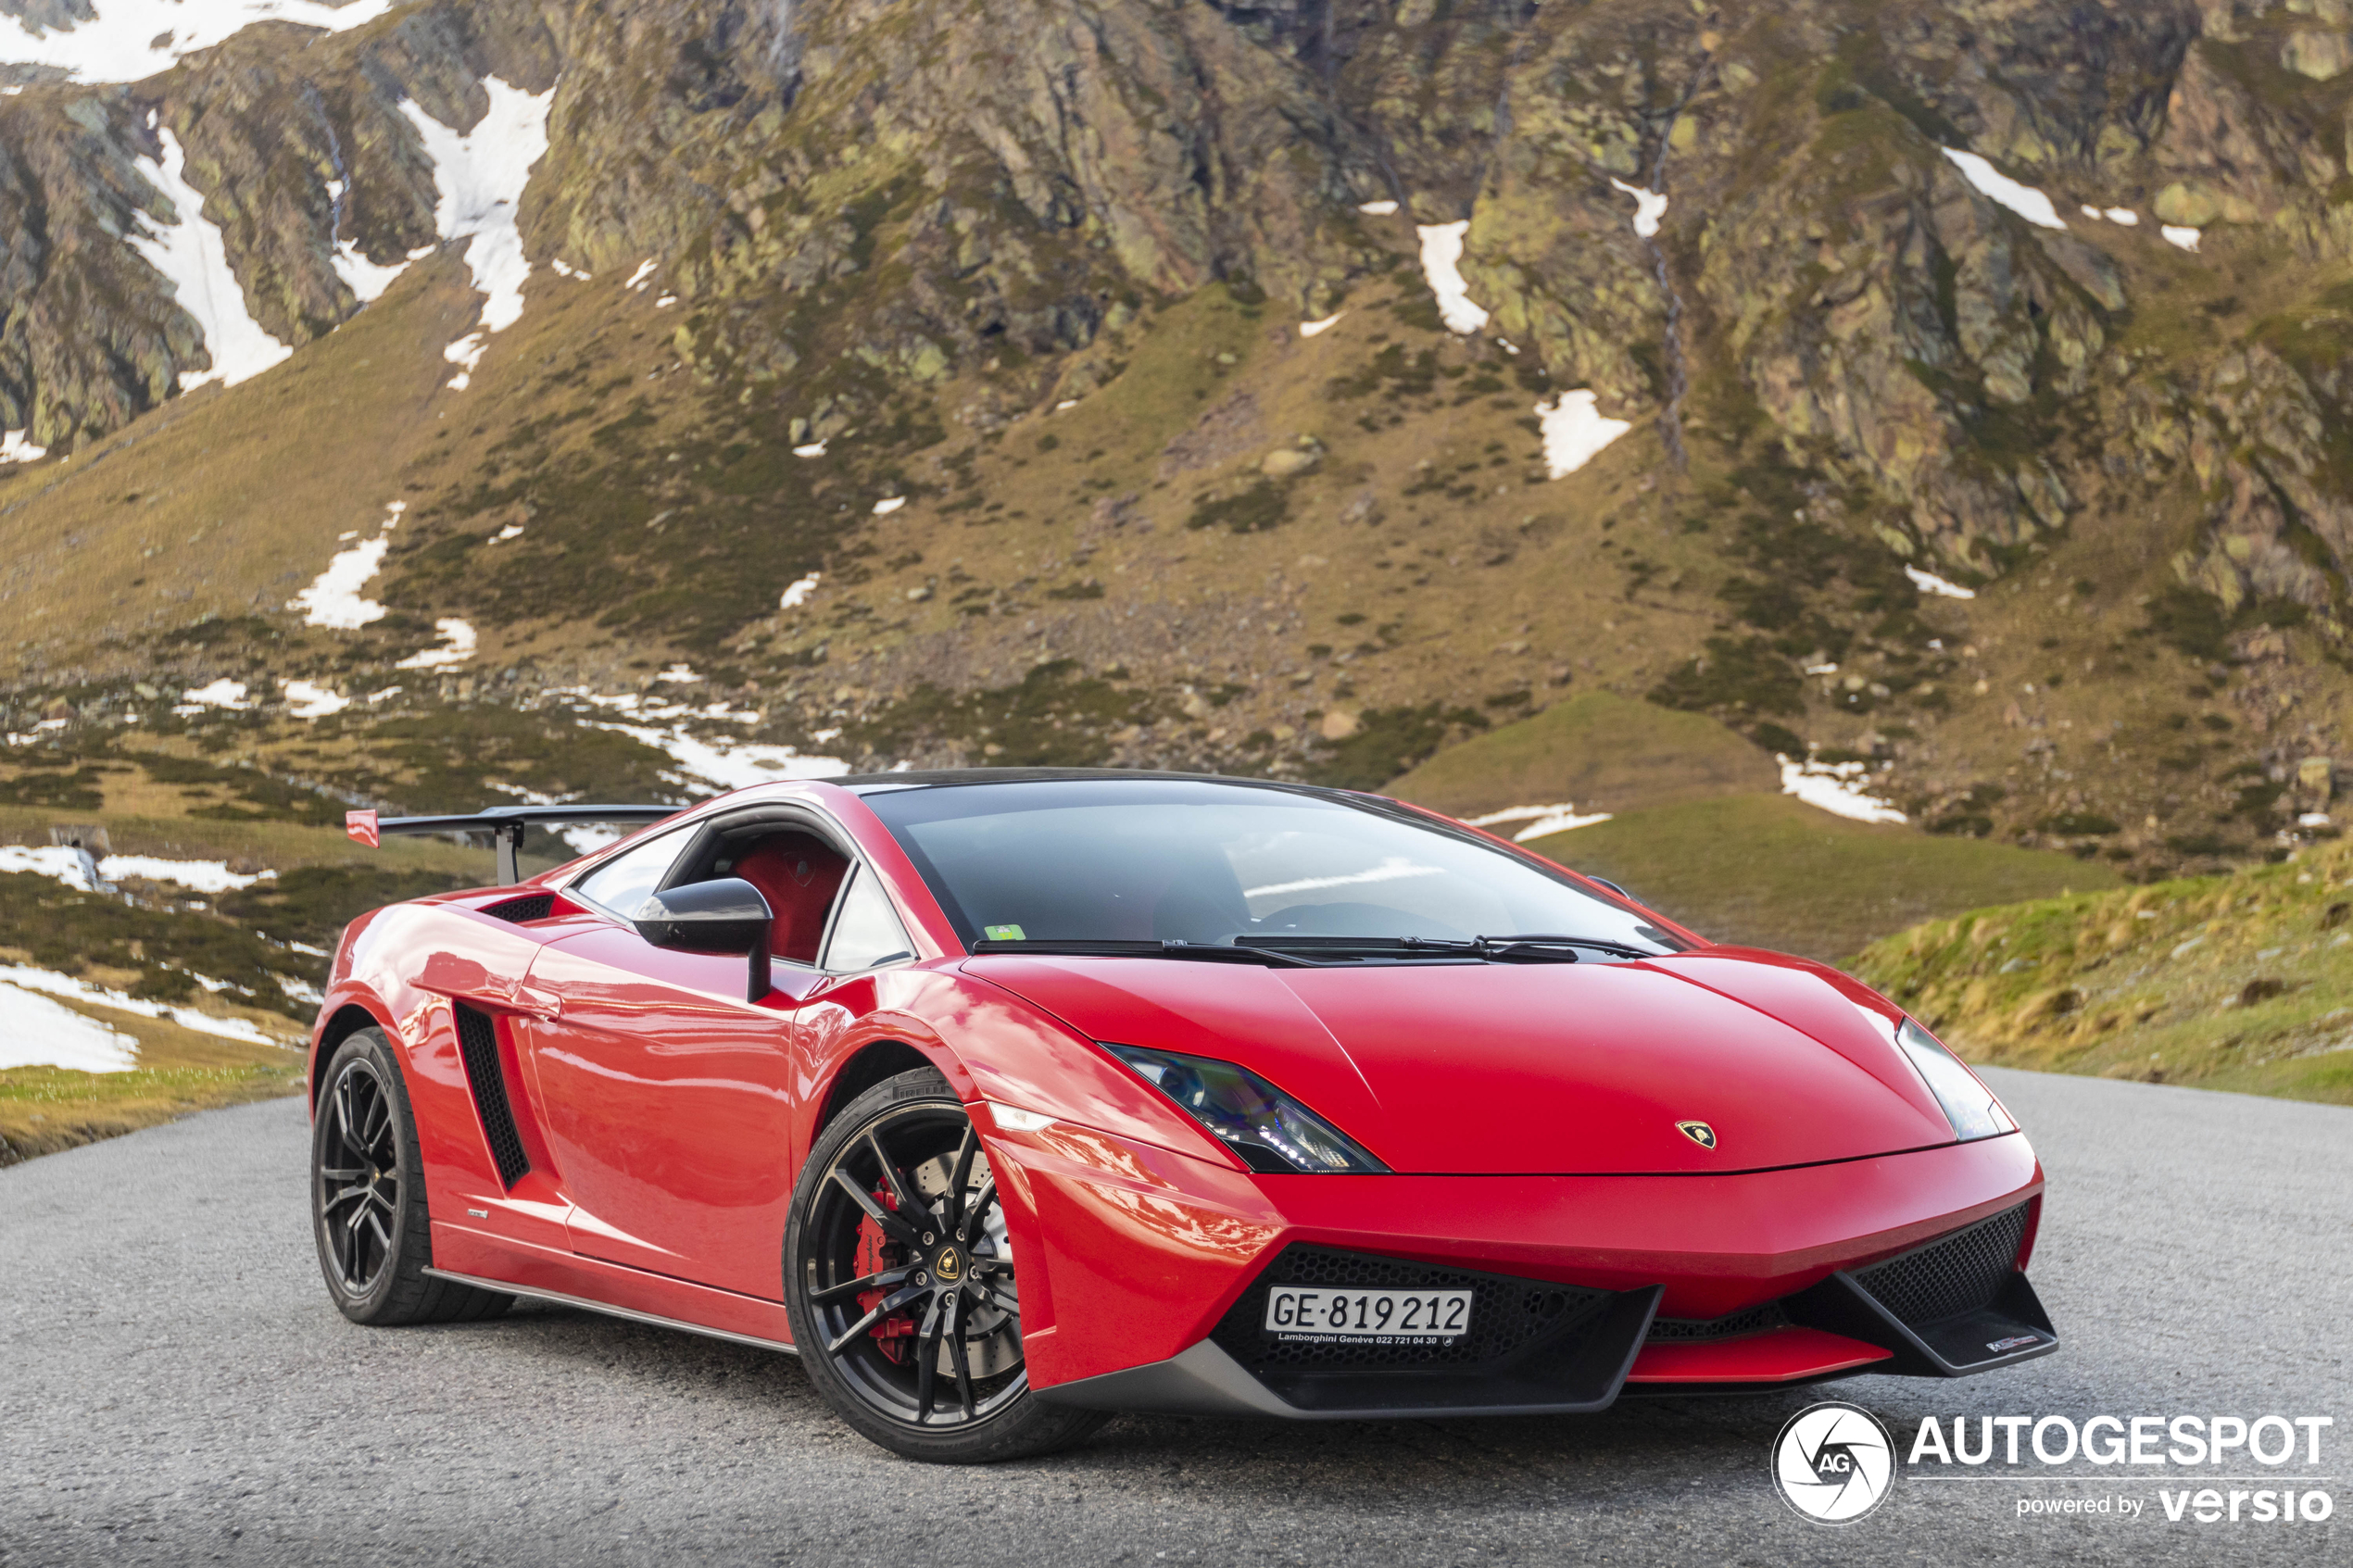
<point>368,1197</point>
<point>900,1284</point>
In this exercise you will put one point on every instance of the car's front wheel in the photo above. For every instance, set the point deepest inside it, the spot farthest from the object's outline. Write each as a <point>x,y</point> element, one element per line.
<point>368,1197</point>
<point>900,1284</point>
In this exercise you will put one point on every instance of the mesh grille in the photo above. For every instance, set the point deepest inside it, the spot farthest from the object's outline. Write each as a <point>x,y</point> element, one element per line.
<point>529,907</point>
<point>1945,1278</point>
<point>1751,1320</point>
<point>478,1044</point>
<point>1507,1315</point>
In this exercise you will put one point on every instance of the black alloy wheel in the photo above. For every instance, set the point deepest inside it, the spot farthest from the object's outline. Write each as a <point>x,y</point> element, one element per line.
<point>902,1286</point>
<point>360,1192</point>
<point>368,1197</point>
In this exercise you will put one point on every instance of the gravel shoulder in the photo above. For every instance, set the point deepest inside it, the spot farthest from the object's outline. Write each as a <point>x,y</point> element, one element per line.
<point>174,1387</point>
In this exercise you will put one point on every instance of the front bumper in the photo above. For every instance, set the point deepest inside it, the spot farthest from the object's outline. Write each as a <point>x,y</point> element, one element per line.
<point>1667,1284</point>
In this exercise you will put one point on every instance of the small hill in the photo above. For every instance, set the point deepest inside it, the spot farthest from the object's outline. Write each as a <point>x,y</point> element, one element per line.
<point>1770,871</point>
<point>1599,751</point>
<point>2241,981</point>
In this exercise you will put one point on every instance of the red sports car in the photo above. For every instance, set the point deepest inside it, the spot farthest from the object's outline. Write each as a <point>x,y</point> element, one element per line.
<point>1009,1098</point>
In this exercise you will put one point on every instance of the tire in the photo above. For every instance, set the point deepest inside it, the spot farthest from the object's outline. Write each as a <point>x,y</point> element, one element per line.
<point>926,1361</point>
<point>368,1197</point>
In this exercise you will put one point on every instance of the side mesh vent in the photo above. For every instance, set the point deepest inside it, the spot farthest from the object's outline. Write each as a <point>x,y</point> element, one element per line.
<point>1960,1273</point>
<point>478,1044</point>
<point>529,907</point>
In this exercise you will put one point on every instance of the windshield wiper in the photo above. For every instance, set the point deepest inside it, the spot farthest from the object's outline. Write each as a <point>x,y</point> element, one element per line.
<point>1095,948</point>
<point>1542,947</point>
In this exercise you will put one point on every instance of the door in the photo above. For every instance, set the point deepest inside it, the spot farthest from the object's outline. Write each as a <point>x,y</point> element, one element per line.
<point>664,1093</point>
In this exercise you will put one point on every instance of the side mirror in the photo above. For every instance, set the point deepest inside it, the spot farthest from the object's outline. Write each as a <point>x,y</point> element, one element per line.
<point>725,916</point>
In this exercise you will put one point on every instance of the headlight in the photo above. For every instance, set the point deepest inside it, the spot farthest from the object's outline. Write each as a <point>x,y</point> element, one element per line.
<point>1968,1105</point>
<point>1269,1130</point>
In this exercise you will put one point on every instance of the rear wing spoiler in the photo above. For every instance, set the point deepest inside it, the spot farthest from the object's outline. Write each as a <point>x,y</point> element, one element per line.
<point>505,824</point>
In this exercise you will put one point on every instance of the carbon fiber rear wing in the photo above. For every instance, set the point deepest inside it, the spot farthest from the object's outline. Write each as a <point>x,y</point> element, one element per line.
<point>505,824</point>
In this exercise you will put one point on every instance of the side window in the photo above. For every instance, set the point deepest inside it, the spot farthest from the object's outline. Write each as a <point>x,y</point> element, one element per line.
<point>867,932</point>
<point>620,883</point>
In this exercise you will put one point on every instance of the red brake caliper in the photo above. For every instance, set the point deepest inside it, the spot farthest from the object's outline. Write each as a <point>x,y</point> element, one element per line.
<point>874,1256</point>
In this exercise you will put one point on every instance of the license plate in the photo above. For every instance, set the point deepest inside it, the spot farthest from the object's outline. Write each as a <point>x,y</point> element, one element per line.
<point>1367,1317</point>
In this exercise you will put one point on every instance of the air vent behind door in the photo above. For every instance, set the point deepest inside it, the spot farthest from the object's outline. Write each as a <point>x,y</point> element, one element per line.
<point>478,1046</point>
<point>523,911</point>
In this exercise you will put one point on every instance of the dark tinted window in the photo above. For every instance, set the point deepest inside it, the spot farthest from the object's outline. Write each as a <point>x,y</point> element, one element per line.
<point>1207,862</point>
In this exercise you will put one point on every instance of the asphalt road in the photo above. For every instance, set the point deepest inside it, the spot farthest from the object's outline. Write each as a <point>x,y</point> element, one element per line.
<point>175,1389</point>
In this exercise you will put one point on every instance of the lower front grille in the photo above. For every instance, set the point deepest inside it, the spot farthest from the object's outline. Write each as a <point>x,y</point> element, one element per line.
<point>1960,1273</point>
<point>1508,1316</point>
<point>478,1047</point>
<point>1734,1325</point>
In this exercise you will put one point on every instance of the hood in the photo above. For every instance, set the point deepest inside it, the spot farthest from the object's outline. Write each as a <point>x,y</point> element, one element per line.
<point>1532,1069</point>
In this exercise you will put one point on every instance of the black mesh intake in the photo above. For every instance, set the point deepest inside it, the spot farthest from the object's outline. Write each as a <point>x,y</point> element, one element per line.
<point>1508,1316</point>
<point>1960,1274</point>
<point>529,907</point>
<point>478,1046</point>
<point>1733,1325</point>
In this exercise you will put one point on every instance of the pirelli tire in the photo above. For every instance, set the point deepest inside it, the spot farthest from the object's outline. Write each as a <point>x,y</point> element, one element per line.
<point>900,1282</point>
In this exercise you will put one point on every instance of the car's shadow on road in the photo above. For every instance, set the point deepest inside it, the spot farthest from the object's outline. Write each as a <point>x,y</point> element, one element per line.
<point>1473,1461</point>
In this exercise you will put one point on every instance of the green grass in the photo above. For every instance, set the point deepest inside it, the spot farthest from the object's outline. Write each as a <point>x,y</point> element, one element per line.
<point>2241,981</point>
<point>46,1109</point>
<point>1602,751</point>
<point>1768,870</point>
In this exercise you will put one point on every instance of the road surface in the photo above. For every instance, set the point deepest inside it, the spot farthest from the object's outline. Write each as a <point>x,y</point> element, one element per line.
<point>174,1388</point>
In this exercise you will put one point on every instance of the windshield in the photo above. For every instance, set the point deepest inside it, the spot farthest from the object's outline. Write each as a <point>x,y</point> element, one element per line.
<point>1156,860</point>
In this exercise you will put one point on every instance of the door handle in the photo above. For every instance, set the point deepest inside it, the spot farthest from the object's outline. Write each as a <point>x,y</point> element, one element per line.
<point>531,1002</point>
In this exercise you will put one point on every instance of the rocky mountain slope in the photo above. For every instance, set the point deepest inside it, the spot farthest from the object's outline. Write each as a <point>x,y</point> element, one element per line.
<point>1961,390</point>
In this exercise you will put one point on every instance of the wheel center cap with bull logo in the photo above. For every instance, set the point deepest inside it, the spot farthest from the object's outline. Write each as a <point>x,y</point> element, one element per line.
<point>949,1265</point>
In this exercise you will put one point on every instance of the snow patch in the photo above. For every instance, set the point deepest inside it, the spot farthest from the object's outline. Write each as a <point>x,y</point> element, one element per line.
<point>1377,209</point>
<point>813,449</point>
<point>1064,406</point>
<point>2178,234</point>
<point>364,278</point>
<point>1835,787</point>
<point>1648,206</point>
<point>333,599</point>
<point>37,1031</point>
<point>665,302</point>
<point>720,763</point>
<point>797,594</point>
<point>884,508</point>
<point>2024,200</point>
<point>458,646</point>
<point>15,448</point>
<point>223,693</point>
<point>1316,328</point>
<point>637,279</point>
<point>478,180</point>
<point>566,269</point>
<point>1541,820</point>
<point>512,531</point>
<point>1574,431</point>
<point>308,700</point>
<point>2124,215</point>
<point>1929,583</point>
<point>1441,265</point>
<point>56,984</point>
<point>132,40</point>
<point>67,864</point>
<point>193,257</point>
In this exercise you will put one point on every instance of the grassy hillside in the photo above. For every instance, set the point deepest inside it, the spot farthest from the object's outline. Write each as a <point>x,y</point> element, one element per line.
<point>1597,750</point>
<point>2242,982</point>
<point>1772,871</point>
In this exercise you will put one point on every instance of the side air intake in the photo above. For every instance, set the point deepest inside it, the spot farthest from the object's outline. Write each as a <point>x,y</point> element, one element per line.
<point>523,911</point>
<point>478,1046</point>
